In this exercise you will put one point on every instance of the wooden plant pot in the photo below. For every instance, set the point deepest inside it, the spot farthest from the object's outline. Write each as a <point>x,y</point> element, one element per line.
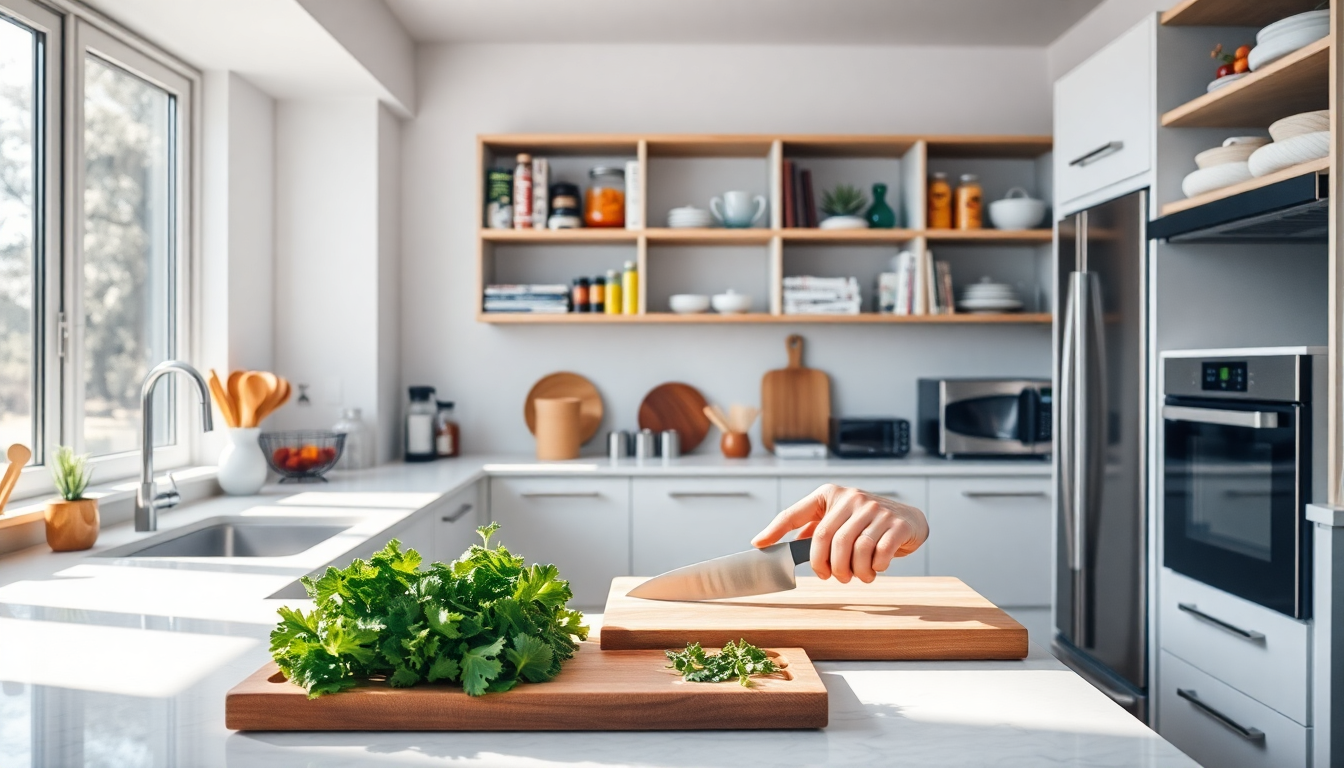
<point>71,525</point>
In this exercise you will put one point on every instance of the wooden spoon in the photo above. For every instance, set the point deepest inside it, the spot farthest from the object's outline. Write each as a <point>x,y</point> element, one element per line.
<point>18,456</point>
<point>234,387</point>
<point>276,399</point>
<point>253,390</point>
<point>712,412</point>
<point>222,399</point>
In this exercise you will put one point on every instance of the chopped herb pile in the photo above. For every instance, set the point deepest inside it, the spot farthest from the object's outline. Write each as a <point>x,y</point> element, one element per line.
<point>485,621</point>
<point>740,660</point>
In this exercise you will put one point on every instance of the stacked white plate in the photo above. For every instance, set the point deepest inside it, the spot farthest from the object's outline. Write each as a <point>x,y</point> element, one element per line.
<point>1223,165</point>
<point>1301,148</point>
<point>1224,80</point>
<point>689,217</point>
<point>1287,35</point>
<point>988,296</point>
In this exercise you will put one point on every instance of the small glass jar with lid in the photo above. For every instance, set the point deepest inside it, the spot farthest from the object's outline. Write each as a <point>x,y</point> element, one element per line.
<point>419,424</point>
<point>604,204</point>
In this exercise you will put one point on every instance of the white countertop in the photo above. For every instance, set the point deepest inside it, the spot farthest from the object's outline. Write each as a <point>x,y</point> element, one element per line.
<point>106,661</point>
<point>713,464</point>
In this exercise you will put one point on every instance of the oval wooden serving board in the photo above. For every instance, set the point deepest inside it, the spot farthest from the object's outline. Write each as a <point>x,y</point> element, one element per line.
<point>676,406</point>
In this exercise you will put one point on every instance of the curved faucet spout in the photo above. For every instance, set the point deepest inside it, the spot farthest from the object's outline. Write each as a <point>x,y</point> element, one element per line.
<point>147,501</point>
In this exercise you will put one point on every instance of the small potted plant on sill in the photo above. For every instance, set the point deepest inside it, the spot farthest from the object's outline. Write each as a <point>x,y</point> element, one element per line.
<point>72,520</point>
<point>843,206</point>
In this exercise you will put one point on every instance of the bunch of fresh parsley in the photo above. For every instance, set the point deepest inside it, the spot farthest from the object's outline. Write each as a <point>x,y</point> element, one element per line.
<point>485,621</point>
<point>740,660</point>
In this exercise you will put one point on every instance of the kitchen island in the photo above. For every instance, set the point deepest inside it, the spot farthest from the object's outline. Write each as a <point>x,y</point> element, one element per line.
<point>119,661</point>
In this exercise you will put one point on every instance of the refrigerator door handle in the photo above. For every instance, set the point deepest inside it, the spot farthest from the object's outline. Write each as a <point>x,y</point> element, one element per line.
<point>1065,410</point>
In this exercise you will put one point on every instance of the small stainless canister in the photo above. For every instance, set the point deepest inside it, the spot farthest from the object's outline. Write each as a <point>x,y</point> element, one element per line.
<point>618,444</point>
<point>645,445</point>
<point>671,444</point>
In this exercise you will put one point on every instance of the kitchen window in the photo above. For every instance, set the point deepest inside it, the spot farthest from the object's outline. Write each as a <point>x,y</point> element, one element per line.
<point>96,143</point>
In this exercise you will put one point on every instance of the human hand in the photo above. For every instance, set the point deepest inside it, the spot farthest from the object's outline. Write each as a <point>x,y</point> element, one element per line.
<point>853,533</point>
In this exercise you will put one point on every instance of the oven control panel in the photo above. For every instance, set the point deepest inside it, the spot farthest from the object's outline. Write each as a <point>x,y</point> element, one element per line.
<point>1224,377</point>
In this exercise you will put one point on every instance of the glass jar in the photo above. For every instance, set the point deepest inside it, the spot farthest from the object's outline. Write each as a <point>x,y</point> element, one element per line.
<point>968,202</point>
<point>940,202</point>
<point>420,412</point>
<point>358,451</point>
<point>604,205</point>
<point>564,207</point>
<point>446,443</point>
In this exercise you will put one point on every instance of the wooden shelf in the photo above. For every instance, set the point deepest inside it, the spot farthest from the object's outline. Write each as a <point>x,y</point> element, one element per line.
<point>666,236</point>
<point>1321,165</point>
<point>1299,82</point>
<point>668,318</point>
<point>1234,13</point>
<point>990,236</point>
<point>562,236</point>
<point>757,236</point>
<point>847,236</point>
<point>1017,147</point>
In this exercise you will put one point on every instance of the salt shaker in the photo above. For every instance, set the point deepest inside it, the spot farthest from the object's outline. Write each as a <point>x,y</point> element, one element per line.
<point>618,444</point>
<point>671,444</point>
<point>644,445</point>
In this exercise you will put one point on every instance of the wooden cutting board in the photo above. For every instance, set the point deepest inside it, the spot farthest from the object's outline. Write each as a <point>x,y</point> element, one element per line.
<point>676,406</point>
<point>894,618</point>
<point>597,691</point>
<point>795,401</point>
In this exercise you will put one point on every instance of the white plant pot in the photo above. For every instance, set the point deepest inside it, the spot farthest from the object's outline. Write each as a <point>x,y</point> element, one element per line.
<point>843,222</point>
<point>242,467</point>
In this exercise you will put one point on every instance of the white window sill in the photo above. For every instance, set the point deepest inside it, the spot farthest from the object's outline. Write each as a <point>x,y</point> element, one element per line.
<point>31,509</point>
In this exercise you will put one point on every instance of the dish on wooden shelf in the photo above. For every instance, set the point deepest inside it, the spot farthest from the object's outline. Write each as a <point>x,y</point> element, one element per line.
<point>1016,211</point>
<point>1303,122</point>
<point>1219,176</point>
<point>1236,149</point>
<point>1271,48</point>
<point>731,302</point>
<point>688,303</point>
<point>989,306</point>
<point>1223,81</point>
<point>988,296</point>
<point>567,384</point>
<point>676,406</point>
<point>689,217</point>
<point>1309,19</point>
<point>1290,152</point>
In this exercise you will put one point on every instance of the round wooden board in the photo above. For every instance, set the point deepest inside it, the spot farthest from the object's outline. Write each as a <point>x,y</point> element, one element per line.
<point>567,384</point>
<point>676,406</point>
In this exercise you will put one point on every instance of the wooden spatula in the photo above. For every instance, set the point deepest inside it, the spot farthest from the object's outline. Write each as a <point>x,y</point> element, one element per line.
<point>234,388</point>
<point>253,391</point>
<point>18,456</point>
<point>227,407</point>
<point>795,401</point>
<point>276,399</point>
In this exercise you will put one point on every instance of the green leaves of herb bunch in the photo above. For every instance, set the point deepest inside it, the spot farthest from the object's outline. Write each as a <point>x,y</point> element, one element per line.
<point>70,473</point>
<point>740,660</point>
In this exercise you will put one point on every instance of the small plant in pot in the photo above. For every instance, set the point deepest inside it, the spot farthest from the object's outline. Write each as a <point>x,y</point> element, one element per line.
<point>843,206</point>
<point>72,520</point>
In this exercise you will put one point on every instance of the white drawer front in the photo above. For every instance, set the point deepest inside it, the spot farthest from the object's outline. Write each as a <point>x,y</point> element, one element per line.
<point>907,490</point>
<point>994,534</point>
<point>685,520</point>
<point>1202,717</point>
<point>1271,666</point>
<point>582,525</point>
<point>455,523</point>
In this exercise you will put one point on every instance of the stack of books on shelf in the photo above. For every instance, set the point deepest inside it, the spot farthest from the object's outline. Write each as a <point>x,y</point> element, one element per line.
<point>917,285</point>
<point>821,296</point>
<point>800,208</point>
<point>527,299</point>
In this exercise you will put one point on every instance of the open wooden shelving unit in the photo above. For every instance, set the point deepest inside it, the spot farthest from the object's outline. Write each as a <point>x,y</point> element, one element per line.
<point>1234,13</point>
<point>911,153</point>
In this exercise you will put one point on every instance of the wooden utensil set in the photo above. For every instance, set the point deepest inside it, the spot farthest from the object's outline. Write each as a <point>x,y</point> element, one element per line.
<point>735,444</point>
<point>247,397</point>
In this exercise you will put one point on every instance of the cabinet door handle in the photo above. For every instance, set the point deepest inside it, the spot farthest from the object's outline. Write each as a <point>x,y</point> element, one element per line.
<point>1245,634</point>
<point>1108,148</point>
<point>709,494</point>
<point>459,514</point>
<point>560,494</point>
<point>1005,494</point>
<point>1249,734</point>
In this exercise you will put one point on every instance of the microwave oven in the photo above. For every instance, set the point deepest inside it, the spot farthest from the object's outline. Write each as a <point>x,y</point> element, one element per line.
<point>985,417</point>
<point>870,438</point>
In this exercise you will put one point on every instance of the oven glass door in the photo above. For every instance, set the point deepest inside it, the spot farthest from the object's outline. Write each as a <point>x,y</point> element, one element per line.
<point>1232,516</point>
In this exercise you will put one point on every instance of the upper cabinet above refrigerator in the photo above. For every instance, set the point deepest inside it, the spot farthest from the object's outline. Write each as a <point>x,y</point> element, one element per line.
<point>1104,117</point>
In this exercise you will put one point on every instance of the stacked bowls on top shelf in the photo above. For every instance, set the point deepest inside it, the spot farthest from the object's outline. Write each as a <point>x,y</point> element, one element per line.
<point>1298,139</point>
<point>1287,35</point>
<point>1223,165</point>
<point>987,296</point>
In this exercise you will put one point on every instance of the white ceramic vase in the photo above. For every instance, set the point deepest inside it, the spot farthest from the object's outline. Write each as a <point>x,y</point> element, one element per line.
<point>242,467</point>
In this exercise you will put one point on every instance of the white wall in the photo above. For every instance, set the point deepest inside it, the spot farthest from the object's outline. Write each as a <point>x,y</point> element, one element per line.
<point>469,89</point>
<point>1105,23</point>
<point>389,284</point>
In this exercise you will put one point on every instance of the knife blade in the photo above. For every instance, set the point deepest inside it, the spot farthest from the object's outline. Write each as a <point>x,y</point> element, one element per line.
<point>753,572</point>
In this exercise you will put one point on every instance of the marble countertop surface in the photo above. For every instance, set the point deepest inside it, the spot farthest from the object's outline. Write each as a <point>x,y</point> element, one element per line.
<point>714,464</point>
<point>110,661</point>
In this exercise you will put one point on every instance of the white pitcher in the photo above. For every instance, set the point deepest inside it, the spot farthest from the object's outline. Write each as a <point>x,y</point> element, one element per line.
<point>242,467</point>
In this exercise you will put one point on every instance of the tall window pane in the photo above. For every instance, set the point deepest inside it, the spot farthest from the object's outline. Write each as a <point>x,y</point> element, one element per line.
<point>19,223</point>
<point>128,253</point>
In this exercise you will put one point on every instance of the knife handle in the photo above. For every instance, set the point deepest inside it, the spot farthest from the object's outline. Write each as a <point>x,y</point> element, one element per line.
<point>801,549</point>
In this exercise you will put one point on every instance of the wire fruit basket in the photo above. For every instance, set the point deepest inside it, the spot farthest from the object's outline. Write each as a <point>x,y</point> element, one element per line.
<point>302,456</point>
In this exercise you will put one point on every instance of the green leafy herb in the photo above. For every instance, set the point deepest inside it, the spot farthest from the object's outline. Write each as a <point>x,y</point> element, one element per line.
<point>70,472</point>
<point>740,660</point>
<point>485,621</point>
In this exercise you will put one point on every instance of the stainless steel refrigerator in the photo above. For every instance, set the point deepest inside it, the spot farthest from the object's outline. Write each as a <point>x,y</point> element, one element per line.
<point>1101,379</point>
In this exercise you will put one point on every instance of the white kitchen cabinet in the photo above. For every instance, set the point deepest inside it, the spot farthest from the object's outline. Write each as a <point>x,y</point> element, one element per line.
<point>455,522</point>
<point>1105,116</point>
<point>679,521</point>
<point>907,490</point>
<point>416,532</point>
<point>995,535</point>
<point>582,525</point>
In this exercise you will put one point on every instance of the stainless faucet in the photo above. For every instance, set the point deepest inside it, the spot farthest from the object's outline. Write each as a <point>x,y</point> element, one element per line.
<point>147,501</point>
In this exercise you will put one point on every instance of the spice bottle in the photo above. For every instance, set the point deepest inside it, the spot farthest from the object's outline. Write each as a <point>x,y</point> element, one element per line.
<point>630,290</point>
<point>968,202</point>
<point>420,424</point>
<point>613,297</point>
<point>446,444</point>
<point>597,295</point>
<point>579,295</point>
<point>940,202</point>
<point>522,192</point>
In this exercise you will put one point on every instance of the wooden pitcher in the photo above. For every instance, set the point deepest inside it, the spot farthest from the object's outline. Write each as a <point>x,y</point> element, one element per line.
<point>558,435</point>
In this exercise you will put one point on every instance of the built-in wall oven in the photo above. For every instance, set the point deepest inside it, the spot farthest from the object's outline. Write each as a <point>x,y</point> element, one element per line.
<point>1243,451</point>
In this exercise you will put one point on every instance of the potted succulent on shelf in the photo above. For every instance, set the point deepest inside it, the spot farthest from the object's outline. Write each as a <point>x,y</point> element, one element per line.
<point>72,520</point>
<point>843,206</point>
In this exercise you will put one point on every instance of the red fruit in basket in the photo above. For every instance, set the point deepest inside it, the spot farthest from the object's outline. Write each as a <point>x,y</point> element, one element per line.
<point>329,453</point>
<point>310,453</point>
<point>280,456</point>
<point>294,463</point>
<point>1225,70</point>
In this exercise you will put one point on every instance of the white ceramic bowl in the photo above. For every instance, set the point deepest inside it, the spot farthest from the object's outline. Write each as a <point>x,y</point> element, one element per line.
<point>1289,152</point>
<point>1277,47</point>
<point>1217,177</point>
<point>1235,150</point>
<point>688,303</point>
<point>1016,211</point>
<point>1303,122</point>
<point>731,303</point>
<point>1297,21</point>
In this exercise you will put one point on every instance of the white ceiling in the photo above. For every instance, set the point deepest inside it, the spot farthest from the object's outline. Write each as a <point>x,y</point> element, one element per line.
<point>874,22</point>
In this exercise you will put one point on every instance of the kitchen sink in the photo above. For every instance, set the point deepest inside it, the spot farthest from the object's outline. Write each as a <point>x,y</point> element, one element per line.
<point>236,538</point>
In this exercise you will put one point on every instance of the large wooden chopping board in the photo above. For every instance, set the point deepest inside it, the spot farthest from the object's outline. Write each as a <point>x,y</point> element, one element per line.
<point>597,691</point>
<point>905,618</point>
<point>795,401</point>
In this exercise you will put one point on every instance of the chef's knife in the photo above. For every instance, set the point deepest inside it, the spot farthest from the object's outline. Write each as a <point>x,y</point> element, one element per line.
<point>754,572</point>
